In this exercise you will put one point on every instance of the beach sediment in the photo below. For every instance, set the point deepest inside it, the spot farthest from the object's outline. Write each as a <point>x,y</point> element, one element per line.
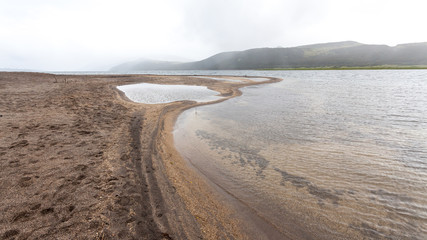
<point>79,160</point>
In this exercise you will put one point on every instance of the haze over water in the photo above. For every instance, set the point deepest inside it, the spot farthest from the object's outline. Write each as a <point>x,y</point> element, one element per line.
<point>322,154</point>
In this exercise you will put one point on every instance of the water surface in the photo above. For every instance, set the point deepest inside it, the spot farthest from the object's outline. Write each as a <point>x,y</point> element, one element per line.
<point>157,93</point>
<point>324,154</point>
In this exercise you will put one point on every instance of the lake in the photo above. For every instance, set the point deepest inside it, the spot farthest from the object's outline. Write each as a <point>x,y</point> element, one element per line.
<point>322,154</point>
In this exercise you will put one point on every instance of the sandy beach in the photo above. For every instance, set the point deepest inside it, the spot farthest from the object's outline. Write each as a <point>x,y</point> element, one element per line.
<point>80,161</point>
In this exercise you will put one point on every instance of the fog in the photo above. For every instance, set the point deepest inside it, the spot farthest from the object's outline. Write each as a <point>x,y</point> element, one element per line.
<point>60,35</point>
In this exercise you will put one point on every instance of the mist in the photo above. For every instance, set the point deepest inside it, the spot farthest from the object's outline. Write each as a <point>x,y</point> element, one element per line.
<point>48,35</point>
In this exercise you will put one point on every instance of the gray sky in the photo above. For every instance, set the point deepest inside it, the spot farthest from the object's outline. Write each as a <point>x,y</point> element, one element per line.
<point>97,34</point>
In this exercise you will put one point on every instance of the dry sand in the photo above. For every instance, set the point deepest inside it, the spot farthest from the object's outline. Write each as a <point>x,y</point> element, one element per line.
<point>78,160</point>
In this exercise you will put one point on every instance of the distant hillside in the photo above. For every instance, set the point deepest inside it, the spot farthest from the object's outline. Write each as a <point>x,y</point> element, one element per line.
<point>327,55</point>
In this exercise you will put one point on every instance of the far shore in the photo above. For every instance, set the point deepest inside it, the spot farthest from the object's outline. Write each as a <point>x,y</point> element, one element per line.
<point>381,67</point>
<point>80,161</point>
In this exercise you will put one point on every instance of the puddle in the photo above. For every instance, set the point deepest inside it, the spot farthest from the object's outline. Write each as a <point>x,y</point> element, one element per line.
<point>156,93</point>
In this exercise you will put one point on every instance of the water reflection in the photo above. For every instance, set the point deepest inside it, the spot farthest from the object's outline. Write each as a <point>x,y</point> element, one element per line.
<point>156,93</point>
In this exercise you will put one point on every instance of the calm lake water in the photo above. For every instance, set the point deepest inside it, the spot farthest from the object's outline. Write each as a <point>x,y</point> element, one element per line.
<point>157,93</point>
<point>322,154</point>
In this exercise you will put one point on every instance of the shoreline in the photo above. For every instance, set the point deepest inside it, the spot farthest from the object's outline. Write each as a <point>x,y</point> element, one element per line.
<point>346,68</point>
<point>246,217</point>
<point>80,160</point>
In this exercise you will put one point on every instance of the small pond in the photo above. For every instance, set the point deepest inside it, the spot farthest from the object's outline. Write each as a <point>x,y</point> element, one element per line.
<point>157,93</point>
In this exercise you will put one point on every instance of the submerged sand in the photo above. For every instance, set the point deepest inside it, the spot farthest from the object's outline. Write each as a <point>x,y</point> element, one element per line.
<point>78,160</point>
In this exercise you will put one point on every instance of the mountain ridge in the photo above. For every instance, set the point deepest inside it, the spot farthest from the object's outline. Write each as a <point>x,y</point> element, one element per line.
<point>323,55</point>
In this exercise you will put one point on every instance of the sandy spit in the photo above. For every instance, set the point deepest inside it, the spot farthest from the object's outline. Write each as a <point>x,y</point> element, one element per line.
<point>78,160</point>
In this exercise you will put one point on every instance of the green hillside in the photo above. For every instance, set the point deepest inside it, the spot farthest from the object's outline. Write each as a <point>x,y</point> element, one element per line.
<point>339,55</point>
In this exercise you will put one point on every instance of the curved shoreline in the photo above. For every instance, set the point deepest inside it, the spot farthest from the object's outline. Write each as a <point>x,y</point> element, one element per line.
<point>203,199</point>
<point>211,198</point>
<point>79,160</point>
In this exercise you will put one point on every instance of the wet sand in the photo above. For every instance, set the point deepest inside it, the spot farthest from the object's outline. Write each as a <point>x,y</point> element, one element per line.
<point>80,161</point>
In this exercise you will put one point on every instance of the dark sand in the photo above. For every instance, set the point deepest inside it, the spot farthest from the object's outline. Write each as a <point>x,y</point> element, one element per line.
<point>78,160</point>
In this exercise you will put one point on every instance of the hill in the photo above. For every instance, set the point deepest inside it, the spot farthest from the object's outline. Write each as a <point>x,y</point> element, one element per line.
<point>327,55</point>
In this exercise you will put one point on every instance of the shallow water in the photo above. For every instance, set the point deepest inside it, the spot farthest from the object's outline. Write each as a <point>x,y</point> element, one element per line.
<point>157,93</point>
<point>221,79</point>
<point>322,154</point>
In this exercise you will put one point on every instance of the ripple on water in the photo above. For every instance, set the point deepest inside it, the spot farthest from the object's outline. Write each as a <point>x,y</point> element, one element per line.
<point>342,154</point>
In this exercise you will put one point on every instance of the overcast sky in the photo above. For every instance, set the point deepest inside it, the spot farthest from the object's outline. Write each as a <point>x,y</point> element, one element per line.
<point>97,34</point>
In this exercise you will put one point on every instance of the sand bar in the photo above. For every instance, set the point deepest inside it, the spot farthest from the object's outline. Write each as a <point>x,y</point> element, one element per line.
<point>79,160</point>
